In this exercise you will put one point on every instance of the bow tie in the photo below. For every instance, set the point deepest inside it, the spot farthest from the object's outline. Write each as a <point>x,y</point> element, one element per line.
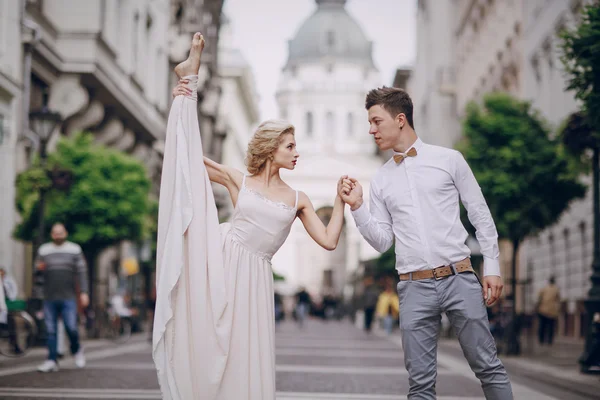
<point>401,156</point>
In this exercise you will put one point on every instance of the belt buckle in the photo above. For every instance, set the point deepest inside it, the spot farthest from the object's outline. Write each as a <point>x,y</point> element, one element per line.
<point>439,278</point>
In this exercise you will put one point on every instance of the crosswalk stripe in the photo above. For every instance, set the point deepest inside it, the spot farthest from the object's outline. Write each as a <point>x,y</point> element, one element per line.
<point>135,394</point>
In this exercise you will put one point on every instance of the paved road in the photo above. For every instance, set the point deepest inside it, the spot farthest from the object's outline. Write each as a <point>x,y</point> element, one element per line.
<point>323,361</point>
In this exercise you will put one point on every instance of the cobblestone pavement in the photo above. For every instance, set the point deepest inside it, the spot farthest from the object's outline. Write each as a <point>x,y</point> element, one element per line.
<point>322,361</point>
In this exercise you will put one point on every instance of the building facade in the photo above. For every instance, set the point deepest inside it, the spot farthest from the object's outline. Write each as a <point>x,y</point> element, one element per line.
<point>322,90</point>
<point>564,250</point>
<point>238,109</point>
<point>106,67</point>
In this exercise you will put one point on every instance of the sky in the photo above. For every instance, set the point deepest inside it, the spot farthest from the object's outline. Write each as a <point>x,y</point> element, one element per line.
<point>261,30</point>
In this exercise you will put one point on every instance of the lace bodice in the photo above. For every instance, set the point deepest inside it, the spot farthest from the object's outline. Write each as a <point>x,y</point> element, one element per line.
<point>260,224</point>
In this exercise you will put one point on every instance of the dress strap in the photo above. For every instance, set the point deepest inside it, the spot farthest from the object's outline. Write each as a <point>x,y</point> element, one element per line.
<point>296,203</point>
<point>244,181</point>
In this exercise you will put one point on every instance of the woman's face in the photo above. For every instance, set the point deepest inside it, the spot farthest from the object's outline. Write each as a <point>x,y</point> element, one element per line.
<point>286,155</point>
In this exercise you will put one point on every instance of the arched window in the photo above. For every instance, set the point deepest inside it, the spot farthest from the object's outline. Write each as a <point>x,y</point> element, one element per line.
<point>329,124</point>
<point>309,124</point>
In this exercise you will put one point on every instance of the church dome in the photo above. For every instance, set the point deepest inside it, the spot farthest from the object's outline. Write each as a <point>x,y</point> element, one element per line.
<point>330,33</point>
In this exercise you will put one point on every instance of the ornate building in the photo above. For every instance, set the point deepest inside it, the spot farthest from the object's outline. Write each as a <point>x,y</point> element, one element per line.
<point>106,67</point>
<point>322,90</point>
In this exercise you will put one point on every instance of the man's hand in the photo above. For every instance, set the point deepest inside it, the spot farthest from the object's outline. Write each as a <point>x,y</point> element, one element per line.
<point>492,289</point>
<point>84,299</point>
<point>351,193</point>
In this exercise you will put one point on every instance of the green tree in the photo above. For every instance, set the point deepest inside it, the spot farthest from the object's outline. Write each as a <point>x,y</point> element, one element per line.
<point>524,174</point>
<point>107,202</point>
<point>581,60</point>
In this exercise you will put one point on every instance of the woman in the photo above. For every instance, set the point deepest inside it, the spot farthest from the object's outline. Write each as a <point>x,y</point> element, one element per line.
<point>214,325</point>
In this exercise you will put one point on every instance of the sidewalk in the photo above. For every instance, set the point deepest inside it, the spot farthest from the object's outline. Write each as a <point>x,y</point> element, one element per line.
<point>556,366</point>
<point>39,353</point>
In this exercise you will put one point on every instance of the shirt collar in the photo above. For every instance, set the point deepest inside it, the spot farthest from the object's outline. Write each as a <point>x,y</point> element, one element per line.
<point>417,145</point>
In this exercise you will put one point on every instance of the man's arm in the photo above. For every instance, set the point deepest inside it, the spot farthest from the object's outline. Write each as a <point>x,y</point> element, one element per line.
<point>82,274</point>
<point>481,218</point>
<point>479,215</point>
<point>375,226</point>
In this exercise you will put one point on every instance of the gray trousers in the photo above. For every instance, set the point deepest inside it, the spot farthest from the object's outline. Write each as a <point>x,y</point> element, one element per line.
<point>460,296</point>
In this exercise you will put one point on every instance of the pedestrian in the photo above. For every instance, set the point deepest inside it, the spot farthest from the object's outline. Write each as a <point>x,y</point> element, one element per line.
<point>387,306</point>
<point>63,266</point>
<point>548,308</point>
<point>370,297</point>
<point>303,303</point>
<point>8,293</point>
<point>414,203</point>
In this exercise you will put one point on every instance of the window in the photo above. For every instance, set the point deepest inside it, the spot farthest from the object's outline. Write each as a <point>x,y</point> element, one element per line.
<point>329,124</point>
<point>584,264</point>
<point>135,41</point>
<point>1,129</point>
<point>309,124</point>
<point>350,122</point>
<point>330,40</point>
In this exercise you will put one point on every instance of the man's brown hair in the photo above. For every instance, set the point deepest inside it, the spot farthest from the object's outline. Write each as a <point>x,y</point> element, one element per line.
<point>393,100</point>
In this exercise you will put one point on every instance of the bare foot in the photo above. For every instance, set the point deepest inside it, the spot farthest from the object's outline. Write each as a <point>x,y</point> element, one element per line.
<point>192,64</point>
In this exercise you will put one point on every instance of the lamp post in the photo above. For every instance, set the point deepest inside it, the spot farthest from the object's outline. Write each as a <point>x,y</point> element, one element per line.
<point>43,123</point>
<point>590,359</point>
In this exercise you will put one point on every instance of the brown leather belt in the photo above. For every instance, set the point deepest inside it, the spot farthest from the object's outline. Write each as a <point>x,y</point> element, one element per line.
<point>440,272</point>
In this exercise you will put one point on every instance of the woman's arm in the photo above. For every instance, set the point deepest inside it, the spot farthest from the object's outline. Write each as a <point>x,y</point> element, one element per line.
<point>229,177</point>
<point>325,236</point>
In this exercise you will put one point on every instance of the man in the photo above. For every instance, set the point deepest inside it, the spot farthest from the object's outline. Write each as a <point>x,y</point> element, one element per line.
<point>370,296</point>
<point>414,201</point>
<point>63,266</point>
<point>548,309</point>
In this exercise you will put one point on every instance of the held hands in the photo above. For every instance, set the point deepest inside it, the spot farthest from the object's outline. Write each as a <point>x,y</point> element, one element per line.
<point>492,289</point>
<point>350,191</point>
<point>181,89</point>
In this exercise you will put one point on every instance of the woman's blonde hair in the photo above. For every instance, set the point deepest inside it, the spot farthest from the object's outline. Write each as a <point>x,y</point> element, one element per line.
<point>264,142</point>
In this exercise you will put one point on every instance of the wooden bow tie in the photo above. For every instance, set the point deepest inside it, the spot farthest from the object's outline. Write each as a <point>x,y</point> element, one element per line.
<point>400,157</point>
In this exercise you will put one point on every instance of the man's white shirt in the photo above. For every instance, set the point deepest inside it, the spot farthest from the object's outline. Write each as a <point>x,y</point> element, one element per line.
<point>416,203</point>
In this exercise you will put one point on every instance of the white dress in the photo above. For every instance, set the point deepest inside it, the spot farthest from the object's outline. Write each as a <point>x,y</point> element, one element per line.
<point>214,325</point>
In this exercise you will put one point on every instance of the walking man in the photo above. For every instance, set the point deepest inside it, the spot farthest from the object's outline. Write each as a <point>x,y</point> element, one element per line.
<point>63,266</point>
<point>548,309</point>
<point>414,202</point>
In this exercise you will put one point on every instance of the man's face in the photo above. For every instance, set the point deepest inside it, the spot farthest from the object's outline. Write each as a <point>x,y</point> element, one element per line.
<point>384,128</point>
<point>58,234</point>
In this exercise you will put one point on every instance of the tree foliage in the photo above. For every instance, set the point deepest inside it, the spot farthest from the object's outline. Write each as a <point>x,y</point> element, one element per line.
<point>526,177</point>
<point>581,60</point>
<point>106,203</point>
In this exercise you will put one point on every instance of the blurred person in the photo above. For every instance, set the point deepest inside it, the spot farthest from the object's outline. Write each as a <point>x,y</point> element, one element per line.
<point>387,306</point>
<point>414,202</point>
<point>370,297</point>
<point>548,308</point>
<point>278,303</point>
<point>8,292</point>
<point>151,305</point>
<point>214,309</point>
<point>63,267</point>
<point>303,303</point>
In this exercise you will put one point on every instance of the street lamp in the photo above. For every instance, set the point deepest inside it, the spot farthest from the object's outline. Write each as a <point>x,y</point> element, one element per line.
<point>43,123</point>
<point>590,359</point>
